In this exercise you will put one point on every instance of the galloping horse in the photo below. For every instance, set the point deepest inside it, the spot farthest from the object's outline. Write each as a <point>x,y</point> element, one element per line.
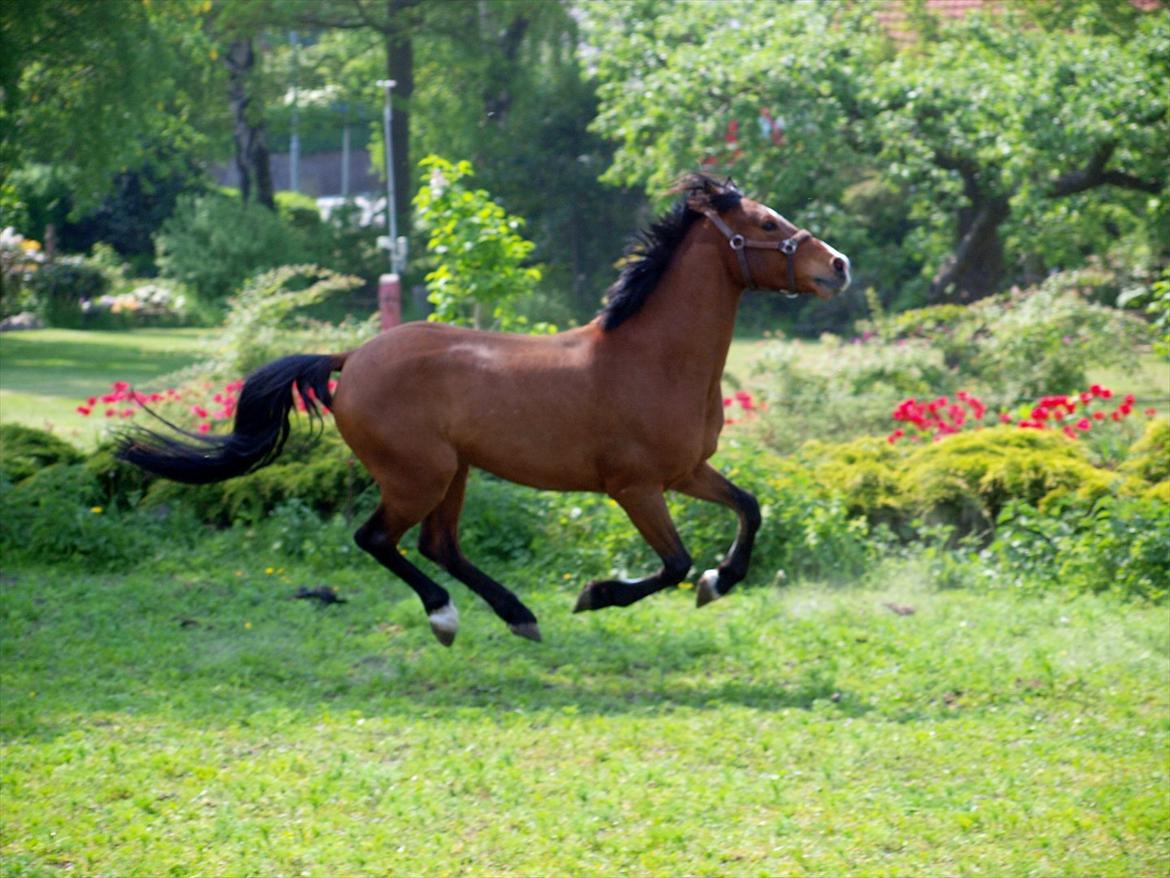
<point>629,405</point>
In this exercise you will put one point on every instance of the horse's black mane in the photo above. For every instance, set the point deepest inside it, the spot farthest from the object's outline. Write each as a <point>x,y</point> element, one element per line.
<point>650,252</point>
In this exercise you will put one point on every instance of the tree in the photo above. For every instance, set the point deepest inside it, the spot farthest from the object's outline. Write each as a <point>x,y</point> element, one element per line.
<point>91,87</point>
<point>992,148</point>
<point>481,273</point>
<point>1045,144</point>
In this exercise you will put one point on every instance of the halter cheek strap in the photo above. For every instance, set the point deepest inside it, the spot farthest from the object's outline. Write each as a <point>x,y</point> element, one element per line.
<point>740,244</point>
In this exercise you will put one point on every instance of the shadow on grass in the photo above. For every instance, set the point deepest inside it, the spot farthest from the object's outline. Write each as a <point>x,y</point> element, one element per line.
<point>105,647</point>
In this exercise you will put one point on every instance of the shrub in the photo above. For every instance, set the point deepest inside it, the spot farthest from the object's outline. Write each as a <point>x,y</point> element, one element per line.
<point>1149,457</point>
<point>27,450</point>
<point>1020,345</point>
<point>320,473</point>
<point>258,326</point>
<point>213,243</point>
<point>481,274</point>
<point>850,391</point>
<point>60,288</point>
<point>1119,545</point>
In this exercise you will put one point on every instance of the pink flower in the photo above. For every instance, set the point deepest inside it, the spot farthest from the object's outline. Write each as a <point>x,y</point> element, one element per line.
<point>1084,424</point>
<point>205,427</point>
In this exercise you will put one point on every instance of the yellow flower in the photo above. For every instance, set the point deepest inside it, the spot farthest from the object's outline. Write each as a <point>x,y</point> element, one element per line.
<point>686,585</point>
<point>247,626</point>
<point>96,510</point>
<point>269,570</point>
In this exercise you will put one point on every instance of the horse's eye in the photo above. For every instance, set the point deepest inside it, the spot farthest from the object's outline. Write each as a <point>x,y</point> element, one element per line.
<point>769,226</point>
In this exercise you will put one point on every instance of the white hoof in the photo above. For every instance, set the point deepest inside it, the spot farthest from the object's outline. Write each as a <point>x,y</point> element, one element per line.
<point>706,590</point>
<point>445,623</point>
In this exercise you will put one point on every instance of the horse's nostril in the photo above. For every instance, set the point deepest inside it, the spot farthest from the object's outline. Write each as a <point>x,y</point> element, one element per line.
<point>840,264</point>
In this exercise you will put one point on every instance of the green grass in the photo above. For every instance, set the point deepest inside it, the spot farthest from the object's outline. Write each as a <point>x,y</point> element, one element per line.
<point>189,718</point>
<point>46,373</point>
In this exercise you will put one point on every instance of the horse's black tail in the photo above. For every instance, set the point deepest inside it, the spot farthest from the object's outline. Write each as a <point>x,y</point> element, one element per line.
<point>258,434</point>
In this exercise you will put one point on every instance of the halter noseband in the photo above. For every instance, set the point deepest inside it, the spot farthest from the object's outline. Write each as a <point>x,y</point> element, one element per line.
<point>740,244</point>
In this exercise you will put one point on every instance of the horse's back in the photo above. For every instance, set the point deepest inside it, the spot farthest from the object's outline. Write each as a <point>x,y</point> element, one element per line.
<point>523,407</point>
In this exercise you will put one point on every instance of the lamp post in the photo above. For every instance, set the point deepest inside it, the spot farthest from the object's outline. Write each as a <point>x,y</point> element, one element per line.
<point>390,285</point>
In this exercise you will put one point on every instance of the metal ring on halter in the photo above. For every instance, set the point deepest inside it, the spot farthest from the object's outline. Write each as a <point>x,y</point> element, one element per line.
<point>737,242</point>
<point>788,246</point>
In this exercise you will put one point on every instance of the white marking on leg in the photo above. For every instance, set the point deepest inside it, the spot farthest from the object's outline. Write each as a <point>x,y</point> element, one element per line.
<point>707,590</point>
<point>445,619</point>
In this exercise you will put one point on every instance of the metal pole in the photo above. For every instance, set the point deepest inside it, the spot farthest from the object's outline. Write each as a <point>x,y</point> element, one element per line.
<point>391,213</point>
<point>294,149</point>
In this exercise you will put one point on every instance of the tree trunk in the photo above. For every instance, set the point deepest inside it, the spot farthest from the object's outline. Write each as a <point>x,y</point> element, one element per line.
<point>252,159</point>
<point>400,68</point>
<point>976,266</point>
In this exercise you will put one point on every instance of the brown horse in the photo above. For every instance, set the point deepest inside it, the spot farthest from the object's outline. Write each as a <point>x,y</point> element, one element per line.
<point>629,405</point>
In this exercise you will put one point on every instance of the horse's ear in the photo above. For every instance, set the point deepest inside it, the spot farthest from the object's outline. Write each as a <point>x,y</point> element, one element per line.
<point>699,190</point>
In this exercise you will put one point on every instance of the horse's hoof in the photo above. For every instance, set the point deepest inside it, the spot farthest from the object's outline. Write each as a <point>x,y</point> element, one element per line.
<point>707,589</point>
<point>529,630</point>
<point>445,623</point>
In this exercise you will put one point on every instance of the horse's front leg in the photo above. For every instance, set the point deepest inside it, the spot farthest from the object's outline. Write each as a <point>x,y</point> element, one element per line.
<point>705,483</point>
<point>646,508</point>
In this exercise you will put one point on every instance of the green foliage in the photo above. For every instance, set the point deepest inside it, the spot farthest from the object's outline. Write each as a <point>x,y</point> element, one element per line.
<point>848,392</point>
<point>965,480</point>
<point>213,243</point>
<point>1117,545</point>
<point>1155,301</point>
<point>59,288</point>
<point>319,473</point>
<point>56,513</point>
<point>1149,457</point>
<point>893,148</point>
<point>1016,347</point>
<point>263,322</point>
<point>57,80</point>
<point>24,450</point>
<point>480,278</point>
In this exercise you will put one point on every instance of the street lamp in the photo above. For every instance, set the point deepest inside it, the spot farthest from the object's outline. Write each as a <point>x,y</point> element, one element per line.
<point>390,285</point>
<point>395,245</point>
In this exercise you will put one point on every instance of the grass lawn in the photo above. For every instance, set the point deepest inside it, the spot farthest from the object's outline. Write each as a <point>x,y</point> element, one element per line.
<point>45,373</point>
<point>189,718</point>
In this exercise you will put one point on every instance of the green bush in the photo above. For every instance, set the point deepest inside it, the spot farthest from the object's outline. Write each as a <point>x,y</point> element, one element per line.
<point>849,391</point>
<point>1019,346</point>
<point>265,320</point>
<point>213,243</point>
<point>320,473</point>
<point>25,450</point>
<point>56,514</point>
<point>961,482</point>
<point>1119,545</point>
<point>1149,457</point>
<point>59,288</point>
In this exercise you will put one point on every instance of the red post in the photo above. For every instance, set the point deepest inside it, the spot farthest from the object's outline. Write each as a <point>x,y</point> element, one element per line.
<point>390,300</point>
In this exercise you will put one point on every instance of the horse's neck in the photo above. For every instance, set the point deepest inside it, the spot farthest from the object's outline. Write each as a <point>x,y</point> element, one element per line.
<point>688,321</point>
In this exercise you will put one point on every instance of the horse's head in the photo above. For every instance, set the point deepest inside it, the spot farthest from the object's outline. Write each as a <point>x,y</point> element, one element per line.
<point>764,250</point>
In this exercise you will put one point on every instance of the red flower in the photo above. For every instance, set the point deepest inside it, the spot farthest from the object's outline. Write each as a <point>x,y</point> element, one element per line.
<point>1084,424</point>
<point>1150,412</point>
<point>84,410</point>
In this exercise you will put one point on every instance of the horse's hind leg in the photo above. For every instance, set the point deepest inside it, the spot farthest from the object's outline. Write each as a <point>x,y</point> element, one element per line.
<point>379,536</point>
<point>707,484</point>
<point>439,541</point>
<point>646,508</point>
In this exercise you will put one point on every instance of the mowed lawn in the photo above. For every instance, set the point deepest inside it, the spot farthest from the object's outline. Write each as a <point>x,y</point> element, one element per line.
<point>190,718</point>
<point>46,373</point>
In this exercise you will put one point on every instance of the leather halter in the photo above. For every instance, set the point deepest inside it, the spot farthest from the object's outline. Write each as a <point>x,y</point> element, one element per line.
<point>740,244</point>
